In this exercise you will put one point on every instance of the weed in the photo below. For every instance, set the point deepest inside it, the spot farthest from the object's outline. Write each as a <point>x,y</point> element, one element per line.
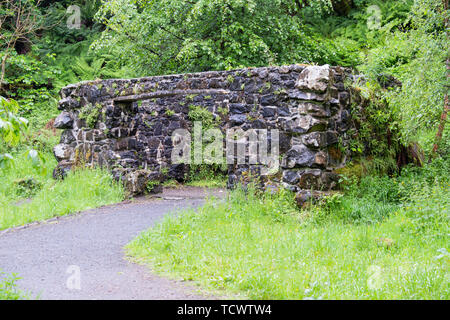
<point>169,112</point>
<point>8,288</point>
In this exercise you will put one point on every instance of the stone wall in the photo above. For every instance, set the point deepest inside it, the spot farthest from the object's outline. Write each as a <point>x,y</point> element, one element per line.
<point>127,124</point>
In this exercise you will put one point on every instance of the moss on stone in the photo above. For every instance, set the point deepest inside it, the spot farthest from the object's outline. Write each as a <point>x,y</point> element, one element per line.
<point>90,114</point>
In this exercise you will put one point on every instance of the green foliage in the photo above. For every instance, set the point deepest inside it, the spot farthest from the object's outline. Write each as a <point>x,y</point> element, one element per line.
<point>151,184</point>
<point>90,66</point>
<point>207,175</point>
<point>370,201</point>
<point>203,115</point>
<point>425,198</point>
<point>64,41</point>
<point>55,198</point>
<point>169,112</point>
<point>178,36</point>
<point>8,287</point>
<point>374,198</point>
<point>417,59</point>
<point>58,56</point>
<point>28,79</point>
<point>201,175</point>
<point>27,187</point>
<point>375,133</point>
<point>90,114</point>
<point>12,129</point>
<point>258,246</point>
<point>11,125</point>
<point>28,71</point>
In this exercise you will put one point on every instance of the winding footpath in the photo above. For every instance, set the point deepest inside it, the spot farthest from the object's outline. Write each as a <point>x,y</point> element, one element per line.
<point>48,256</point>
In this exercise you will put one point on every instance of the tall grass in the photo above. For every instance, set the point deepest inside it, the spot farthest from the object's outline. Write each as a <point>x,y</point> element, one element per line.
<point>26,195</point>
<point>370,243</point>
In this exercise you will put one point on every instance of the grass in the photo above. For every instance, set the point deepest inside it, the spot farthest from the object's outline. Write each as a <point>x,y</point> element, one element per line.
<point>201,183</point>
<point>384,239</point>
<point>207,183</point>
<point>8,288</point>
<point>201,176</point>
<point>207,176</point>
<point>27,195</point>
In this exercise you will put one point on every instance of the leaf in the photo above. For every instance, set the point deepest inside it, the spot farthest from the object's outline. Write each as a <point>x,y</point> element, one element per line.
<point>37,161</point>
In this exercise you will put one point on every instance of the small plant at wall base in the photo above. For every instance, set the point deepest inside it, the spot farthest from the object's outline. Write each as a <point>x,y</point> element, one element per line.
<point>151,185</point>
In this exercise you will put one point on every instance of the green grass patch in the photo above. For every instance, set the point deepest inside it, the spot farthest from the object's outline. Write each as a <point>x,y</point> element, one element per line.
<point>384,239</point>
<point>217,182</point>
<point>207,176</point>
<point>8,288</point>
<point>26,195</point>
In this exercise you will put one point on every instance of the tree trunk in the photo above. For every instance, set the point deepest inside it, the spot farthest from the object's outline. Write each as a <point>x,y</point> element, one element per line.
<point>441,126</point>
<point>2,77</point>
<point>445,110</point>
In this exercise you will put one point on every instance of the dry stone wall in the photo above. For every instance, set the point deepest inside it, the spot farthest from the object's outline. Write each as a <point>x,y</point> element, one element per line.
<point>126,125</point>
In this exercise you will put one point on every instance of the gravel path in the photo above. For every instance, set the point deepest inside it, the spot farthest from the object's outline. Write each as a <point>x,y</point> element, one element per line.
<point>48,256</point>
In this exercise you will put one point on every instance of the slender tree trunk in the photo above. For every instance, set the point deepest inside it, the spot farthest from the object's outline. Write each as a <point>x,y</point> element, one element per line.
<point>441,126</point>
<point>446,107</point>
<point>3,70</point>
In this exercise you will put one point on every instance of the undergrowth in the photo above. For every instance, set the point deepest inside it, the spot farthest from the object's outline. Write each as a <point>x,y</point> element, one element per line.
<point>8,288</point>
<point>384,238</point>
<point>27,196</point>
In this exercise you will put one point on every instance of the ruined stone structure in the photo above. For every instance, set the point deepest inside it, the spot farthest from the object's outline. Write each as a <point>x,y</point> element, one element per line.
<point>127,124</point>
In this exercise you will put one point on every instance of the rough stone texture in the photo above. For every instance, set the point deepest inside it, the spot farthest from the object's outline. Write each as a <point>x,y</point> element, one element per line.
<point>132,121</point>
<point>63,121</point>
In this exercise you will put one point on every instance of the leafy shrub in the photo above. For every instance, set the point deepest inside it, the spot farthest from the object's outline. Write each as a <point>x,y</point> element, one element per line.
<point>205,174</point>
<point>203,115</point>
<point>28,80</point>
<point>425,197</point>
<point>8,287</point>
<point>370,200</point>
<point>416,58</point>
<point>12,130</point>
